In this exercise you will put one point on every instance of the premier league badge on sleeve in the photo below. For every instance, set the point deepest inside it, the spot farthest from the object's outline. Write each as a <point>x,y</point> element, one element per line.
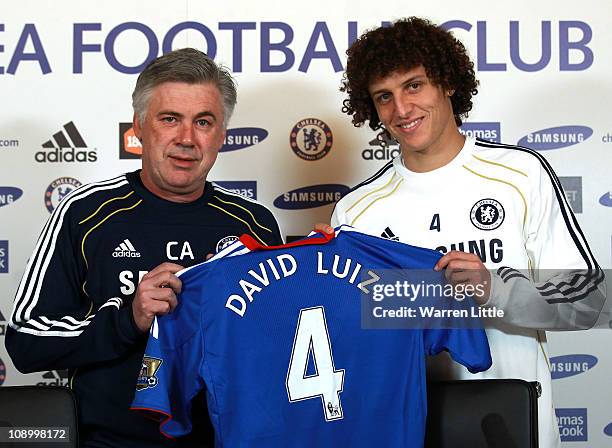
<point>146,377</point>
<point>487,214</point>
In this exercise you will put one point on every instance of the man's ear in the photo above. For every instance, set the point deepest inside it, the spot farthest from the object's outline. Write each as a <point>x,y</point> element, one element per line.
<point>137,127</point>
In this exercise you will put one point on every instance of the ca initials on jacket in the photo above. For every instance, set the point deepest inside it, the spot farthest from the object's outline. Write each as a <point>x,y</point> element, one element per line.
<point>175,251</point>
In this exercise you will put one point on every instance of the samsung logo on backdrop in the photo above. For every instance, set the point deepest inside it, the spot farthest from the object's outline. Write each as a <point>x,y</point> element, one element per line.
<point>311,196</point>
<point>572,424</point>
<point>490,131</point>
<point>240,138</point>
<point>606,199</point>
<point>246,188</point>
<point>608,430</point>
<point>570,365</point>
<point>555,138</point>
<point>8,195</point>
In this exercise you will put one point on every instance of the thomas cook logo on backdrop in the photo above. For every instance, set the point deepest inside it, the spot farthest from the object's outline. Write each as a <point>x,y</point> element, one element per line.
<point>490,131</point>
<point>54,378</point>
<point>58,190</point>
<point>487,214</point>
<point>311,196</point>
<point>570,365</point>
<point>246,188</point>
<point>129,145</point>
<point>572,424</point>
<point>8,195</point>
<point>606,199</point>
<point>384,149</point>
<point>240,138</point>
<point>66,145</point>
<point>4,256</point>
<point>572,186</point>
<point>311,139</point>
<point>555,138</point>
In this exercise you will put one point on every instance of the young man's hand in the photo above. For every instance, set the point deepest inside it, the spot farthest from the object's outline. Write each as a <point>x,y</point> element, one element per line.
<point>465,268</point>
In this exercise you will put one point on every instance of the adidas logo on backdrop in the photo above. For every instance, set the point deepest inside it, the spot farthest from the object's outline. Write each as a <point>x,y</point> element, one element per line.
<point>54,378</point>
<point>66,145</point>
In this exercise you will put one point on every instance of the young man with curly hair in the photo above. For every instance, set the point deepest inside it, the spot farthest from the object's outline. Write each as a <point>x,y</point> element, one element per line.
<point>492,209</point>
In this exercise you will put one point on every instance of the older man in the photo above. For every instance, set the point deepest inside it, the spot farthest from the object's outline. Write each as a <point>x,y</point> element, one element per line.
<point>101,270</point>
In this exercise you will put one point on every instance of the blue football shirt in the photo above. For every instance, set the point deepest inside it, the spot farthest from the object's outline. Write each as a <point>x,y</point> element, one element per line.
<point>275,337</point>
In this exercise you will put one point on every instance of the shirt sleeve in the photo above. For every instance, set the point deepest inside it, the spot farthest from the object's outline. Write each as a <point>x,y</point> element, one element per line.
<point>277,236</point>
<point>469,347</point>
<point>338,216</point>
<point>564,286</point>
<point>169,376</point>
<point>54,324</point>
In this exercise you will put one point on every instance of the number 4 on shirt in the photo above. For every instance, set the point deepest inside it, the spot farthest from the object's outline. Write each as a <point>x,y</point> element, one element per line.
<point>312,342</point>
<point>435,222</point>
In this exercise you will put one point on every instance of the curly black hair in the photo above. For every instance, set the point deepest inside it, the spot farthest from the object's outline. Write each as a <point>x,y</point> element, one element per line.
<point>404,45</point>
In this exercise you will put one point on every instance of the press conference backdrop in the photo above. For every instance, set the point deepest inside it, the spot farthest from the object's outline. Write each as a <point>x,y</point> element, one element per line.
<point>67,71</point>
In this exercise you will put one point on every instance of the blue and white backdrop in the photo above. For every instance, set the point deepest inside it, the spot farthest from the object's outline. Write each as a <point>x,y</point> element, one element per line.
<point>67,70</point>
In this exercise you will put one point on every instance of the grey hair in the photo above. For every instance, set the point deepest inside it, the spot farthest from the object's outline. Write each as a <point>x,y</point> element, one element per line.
<point>185,65</point>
